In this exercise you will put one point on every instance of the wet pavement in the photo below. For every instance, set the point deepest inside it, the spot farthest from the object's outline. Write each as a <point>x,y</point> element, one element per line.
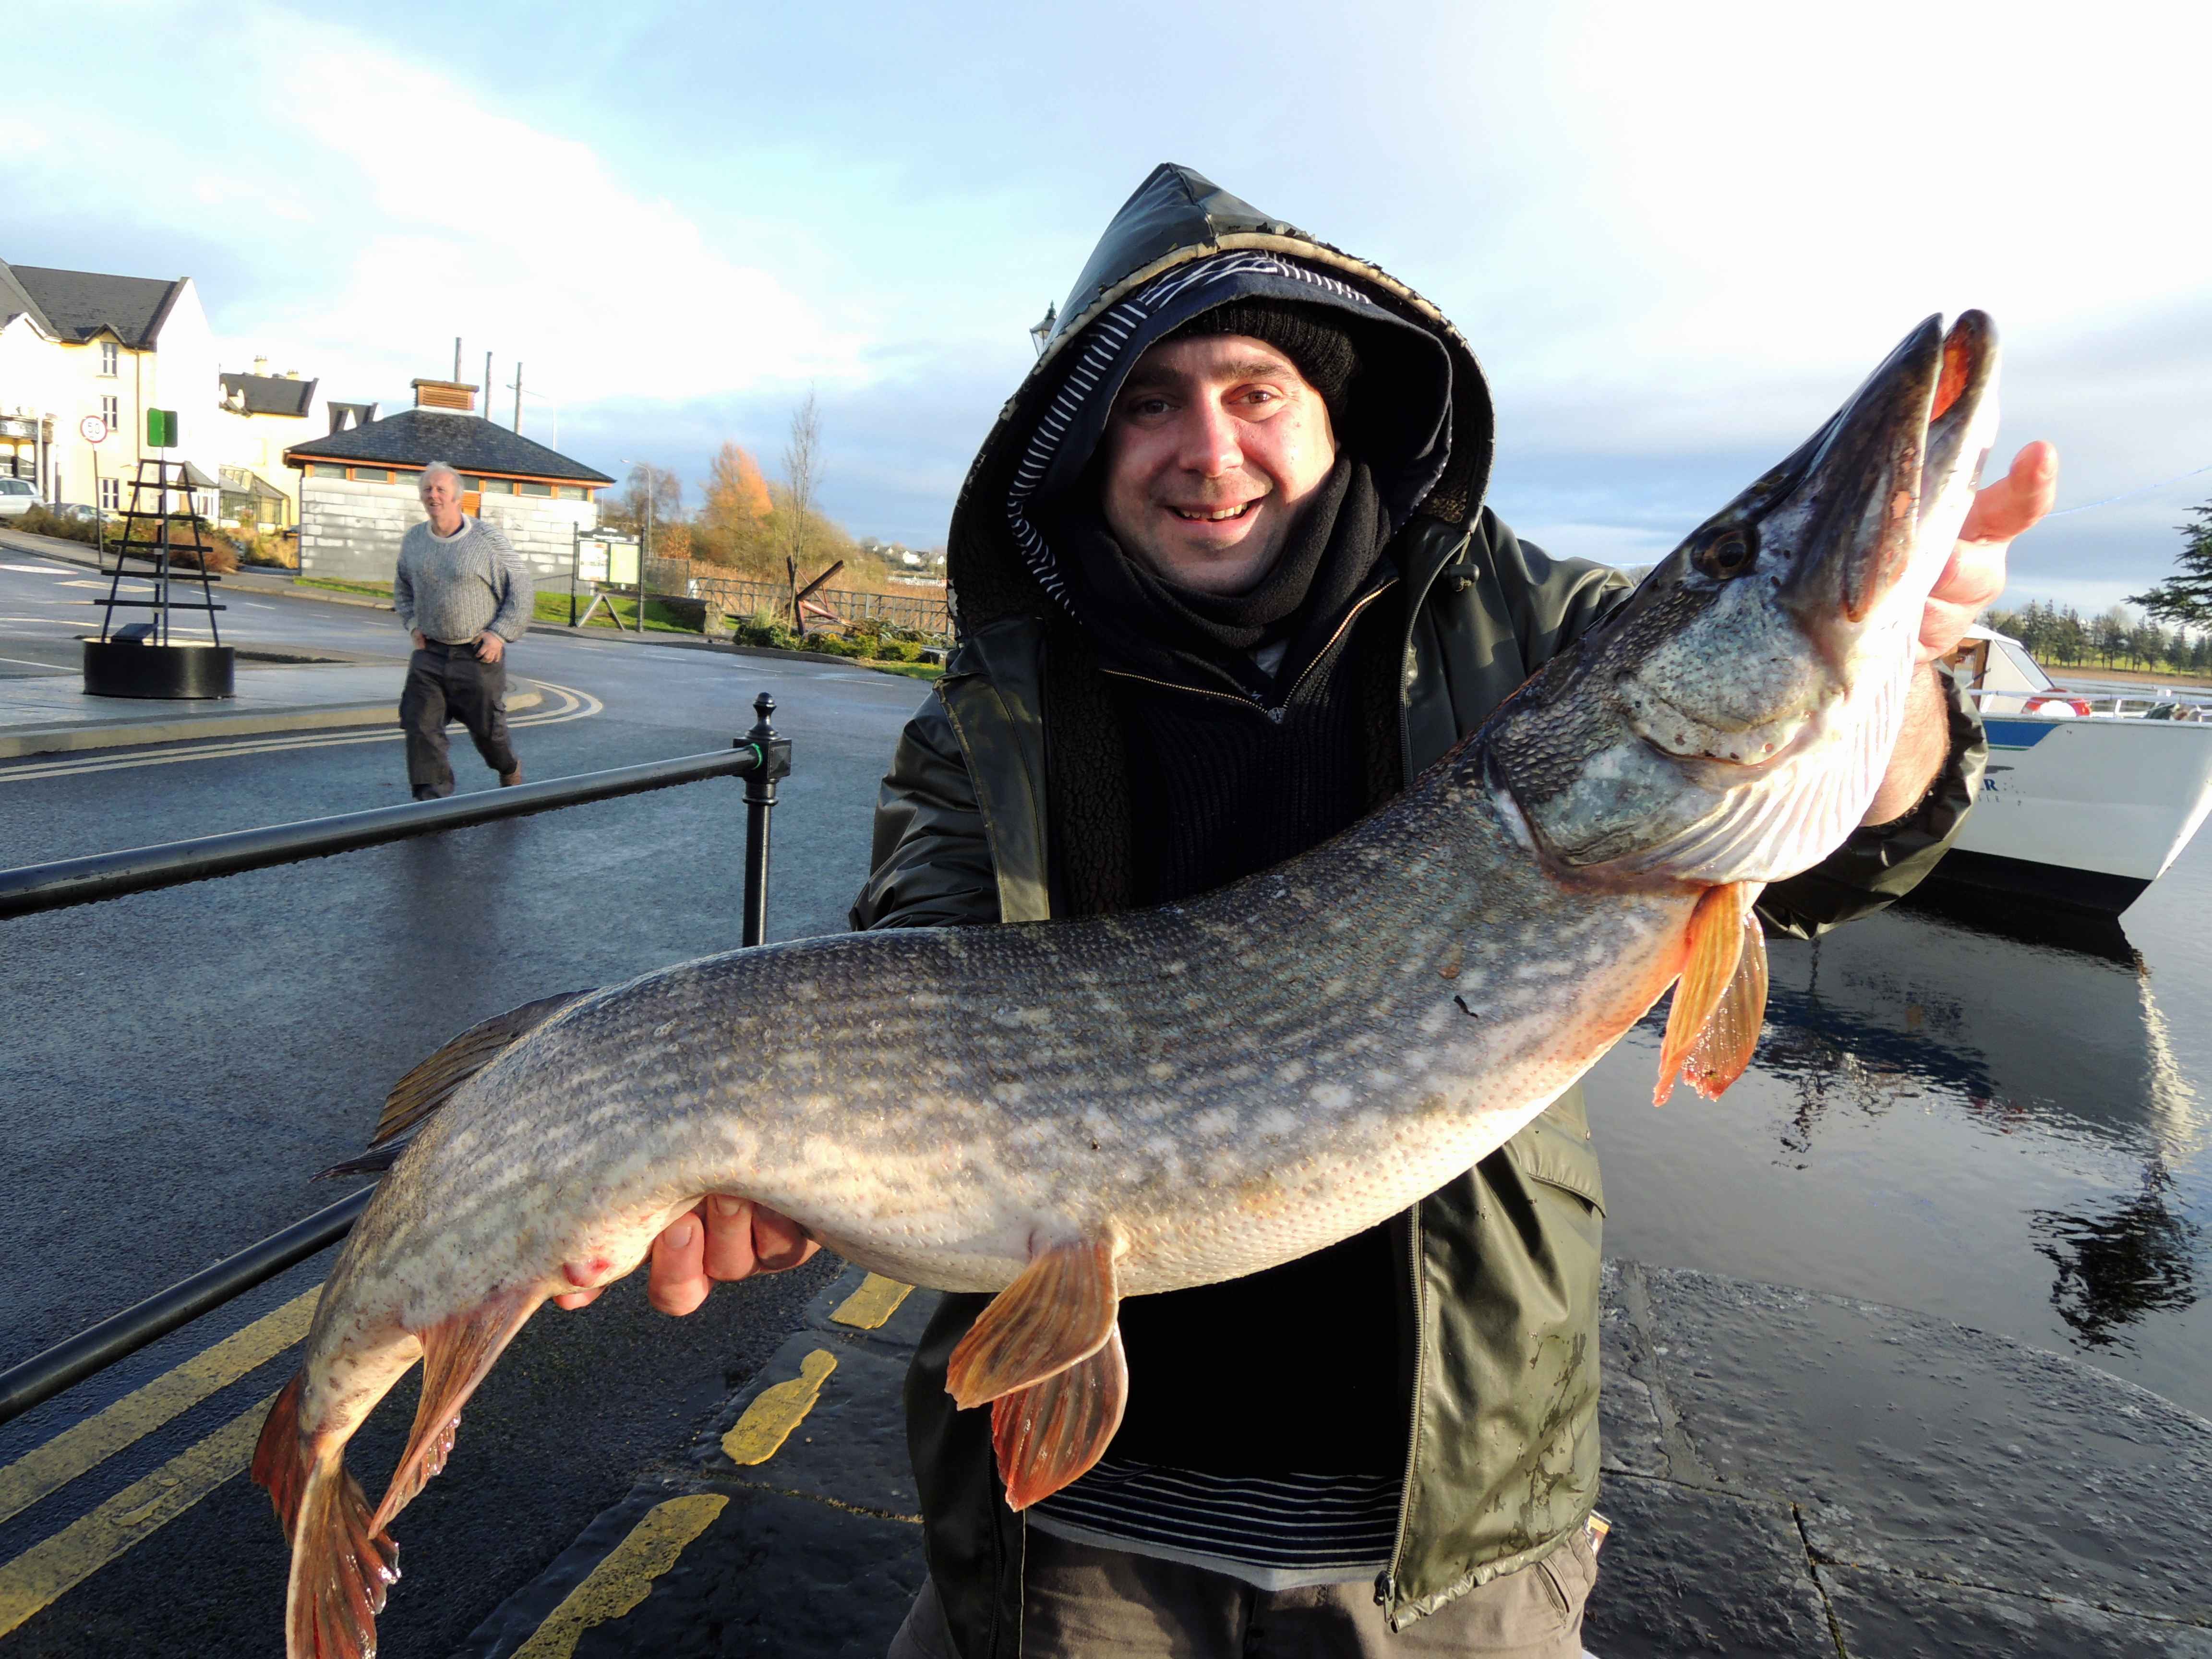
<point>1788,1476</point>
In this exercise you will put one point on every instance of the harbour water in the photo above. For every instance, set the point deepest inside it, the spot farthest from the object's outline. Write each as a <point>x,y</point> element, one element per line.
<point>2005,1124</point>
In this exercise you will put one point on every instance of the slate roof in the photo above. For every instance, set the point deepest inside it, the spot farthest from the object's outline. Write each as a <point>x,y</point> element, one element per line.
<point>270,394</point>
<point>469,443</point>
<point>79,304</point>
<point>16,301</point>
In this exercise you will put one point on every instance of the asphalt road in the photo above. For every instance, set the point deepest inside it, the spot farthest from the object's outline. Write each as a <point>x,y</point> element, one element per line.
<point>177,1064</point>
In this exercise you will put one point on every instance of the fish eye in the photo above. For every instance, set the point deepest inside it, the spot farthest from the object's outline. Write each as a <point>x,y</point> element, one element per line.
<point>1729,553</point>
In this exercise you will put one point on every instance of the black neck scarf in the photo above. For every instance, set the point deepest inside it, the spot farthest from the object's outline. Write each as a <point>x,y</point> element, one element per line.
<point>1142,622</point>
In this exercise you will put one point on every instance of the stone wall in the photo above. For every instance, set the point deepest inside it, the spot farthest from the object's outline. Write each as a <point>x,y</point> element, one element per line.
<point>349,530</point>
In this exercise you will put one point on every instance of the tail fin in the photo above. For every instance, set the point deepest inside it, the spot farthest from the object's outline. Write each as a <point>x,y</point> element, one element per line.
<point>341,1563</point>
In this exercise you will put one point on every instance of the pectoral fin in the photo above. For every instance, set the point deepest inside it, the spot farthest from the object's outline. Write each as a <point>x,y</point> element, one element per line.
<point>1726,945</point>
<point>1060,1310</point>
<point>1048,1434</point>
<point>1731,1032</point>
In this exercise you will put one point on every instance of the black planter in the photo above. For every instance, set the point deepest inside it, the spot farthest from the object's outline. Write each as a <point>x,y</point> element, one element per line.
<point>126,668</point>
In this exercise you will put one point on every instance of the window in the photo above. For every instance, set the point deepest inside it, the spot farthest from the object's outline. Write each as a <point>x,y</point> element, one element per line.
<point>110,410</point>
<point>470,485</point>
<point>528,489</point>
<point>324,470</point>
<point>370,475</point>
<point>110,354</point>
<point>571,493</point>
<point>111,495</point>
<point>499,486</point>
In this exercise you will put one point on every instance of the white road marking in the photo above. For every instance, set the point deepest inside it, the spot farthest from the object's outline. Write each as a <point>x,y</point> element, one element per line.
<point>581,705</point>
<point>31,662</point>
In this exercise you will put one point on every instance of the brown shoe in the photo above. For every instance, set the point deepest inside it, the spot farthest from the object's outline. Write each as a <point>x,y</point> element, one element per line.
<point>508,779</point>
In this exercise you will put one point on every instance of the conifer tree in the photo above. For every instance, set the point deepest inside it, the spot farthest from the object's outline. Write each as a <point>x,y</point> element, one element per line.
<point>2186,598</point>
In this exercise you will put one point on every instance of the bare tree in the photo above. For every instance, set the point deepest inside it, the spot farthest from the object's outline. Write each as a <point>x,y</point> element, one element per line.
<point>802,468</point>
<point>802,461</point>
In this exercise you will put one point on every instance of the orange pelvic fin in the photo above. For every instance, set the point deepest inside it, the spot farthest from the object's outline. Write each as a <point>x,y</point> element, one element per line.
<point>1048,1435</point>
<point>1060,1310</point>
<point>456,1354</point>
<point>1718,928</point>
<point>342,1564</point>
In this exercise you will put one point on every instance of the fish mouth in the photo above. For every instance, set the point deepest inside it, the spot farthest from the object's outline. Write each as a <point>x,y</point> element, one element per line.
<point>1880,491</point>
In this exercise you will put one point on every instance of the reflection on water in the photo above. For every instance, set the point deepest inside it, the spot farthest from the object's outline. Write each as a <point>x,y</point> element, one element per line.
<point>2135,1259</point>
<point>1988,1115</point>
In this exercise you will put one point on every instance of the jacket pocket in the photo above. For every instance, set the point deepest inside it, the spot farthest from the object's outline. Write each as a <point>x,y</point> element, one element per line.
<point>1555,1149</point>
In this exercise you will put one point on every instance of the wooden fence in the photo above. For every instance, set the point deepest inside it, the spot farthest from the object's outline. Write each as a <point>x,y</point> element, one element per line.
<point>924,613</point>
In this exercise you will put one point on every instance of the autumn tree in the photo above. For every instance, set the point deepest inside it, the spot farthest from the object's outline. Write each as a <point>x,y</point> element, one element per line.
<point>733,527</point>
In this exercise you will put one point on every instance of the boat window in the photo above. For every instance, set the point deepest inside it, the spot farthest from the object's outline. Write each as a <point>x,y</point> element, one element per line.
<point>2032,677</point>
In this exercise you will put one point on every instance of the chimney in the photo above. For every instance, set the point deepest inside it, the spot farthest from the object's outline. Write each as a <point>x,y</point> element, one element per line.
<point>260,365</point>
<point>444,394</point>
<point>291,373</point>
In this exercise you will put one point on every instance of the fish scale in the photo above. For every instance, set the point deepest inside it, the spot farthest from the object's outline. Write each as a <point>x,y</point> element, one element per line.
<point>1070,1113</point>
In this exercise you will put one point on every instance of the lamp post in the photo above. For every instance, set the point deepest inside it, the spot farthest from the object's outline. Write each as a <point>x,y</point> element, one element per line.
<point>644,543</point>
<point>1041,330</point>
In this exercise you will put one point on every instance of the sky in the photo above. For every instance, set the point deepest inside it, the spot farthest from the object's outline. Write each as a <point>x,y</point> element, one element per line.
<point>1678,236</point>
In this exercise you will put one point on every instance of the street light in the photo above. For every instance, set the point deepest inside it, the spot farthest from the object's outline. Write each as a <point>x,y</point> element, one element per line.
<point>1040,331</point>
<point>644,543</point>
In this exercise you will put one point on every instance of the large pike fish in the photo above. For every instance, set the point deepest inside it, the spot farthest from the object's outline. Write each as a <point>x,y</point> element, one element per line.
<point>1068,1114</point>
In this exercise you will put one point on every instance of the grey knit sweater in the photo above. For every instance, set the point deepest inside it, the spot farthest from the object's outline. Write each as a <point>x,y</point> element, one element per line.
<point>455,589</point>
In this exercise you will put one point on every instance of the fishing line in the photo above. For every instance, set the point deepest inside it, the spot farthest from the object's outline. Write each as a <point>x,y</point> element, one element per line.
<point>2126,494</point>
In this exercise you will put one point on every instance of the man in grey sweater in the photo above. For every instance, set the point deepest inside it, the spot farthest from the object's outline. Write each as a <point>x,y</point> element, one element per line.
<point>463,591</point>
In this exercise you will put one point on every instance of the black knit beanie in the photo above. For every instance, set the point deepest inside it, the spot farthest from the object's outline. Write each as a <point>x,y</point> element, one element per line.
<point>1307,334</point>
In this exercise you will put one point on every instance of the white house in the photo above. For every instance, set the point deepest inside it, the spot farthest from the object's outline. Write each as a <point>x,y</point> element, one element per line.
<point>360,489</point>
<point>74,343</point>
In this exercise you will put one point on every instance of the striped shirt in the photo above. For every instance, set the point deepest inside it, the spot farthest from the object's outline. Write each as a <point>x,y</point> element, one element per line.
<point>1277,1532</point>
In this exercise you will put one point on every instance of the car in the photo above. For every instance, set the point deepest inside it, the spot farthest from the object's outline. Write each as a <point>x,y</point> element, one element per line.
<point>17,497</point>
<point>75,512</point>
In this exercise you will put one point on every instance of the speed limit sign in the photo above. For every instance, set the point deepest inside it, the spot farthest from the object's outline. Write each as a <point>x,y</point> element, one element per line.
<point>92,429</point>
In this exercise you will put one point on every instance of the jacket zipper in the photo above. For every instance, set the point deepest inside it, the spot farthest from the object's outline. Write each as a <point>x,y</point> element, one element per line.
<point>1275,715</point>
<point>1386,1585</point>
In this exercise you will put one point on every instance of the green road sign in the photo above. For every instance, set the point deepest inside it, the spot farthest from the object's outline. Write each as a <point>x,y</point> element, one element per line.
<point>161,429</point>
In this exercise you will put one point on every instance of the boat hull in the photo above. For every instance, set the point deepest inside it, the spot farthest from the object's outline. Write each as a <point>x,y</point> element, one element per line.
<point>2085,812</point>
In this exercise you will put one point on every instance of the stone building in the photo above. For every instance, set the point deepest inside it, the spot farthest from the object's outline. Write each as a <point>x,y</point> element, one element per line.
<point>360,489</point>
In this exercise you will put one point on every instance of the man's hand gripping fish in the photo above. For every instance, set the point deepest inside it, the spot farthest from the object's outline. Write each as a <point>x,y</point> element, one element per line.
<point>1070,1113</point>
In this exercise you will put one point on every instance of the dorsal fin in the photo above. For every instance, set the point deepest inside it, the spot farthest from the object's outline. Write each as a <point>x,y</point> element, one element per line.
<point>431,1083</point>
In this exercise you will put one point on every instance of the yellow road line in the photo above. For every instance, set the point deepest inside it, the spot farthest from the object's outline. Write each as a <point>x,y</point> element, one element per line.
<point>624,1578</point>
<point>581,705</point>
<point>873,1303</point>
<point>767,1422</point>
<point>46,1572</point>
<point>84,1446</point>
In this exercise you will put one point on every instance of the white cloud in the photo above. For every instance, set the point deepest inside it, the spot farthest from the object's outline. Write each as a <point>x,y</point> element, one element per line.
<point>425,213</point>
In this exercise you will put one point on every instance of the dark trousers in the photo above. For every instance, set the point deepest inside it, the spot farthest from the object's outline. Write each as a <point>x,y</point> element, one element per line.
<point>446,682</point>
<point>1080,1601</point>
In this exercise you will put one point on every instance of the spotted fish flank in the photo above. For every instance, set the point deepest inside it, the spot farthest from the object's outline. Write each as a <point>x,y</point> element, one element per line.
<point>1068,1115</point>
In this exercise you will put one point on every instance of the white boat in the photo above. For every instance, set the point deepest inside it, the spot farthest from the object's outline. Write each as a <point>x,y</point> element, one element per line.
<point>2090,795</point>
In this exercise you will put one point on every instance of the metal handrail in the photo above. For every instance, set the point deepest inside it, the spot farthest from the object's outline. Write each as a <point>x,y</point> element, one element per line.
<point>34,887</point>
<point>760,757</point>
<point>42,1377</point>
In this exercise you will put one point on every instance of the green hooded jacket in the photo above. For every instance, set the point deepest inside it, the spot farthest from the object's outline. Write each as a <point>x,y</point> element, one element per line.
<point>1500,1293</point>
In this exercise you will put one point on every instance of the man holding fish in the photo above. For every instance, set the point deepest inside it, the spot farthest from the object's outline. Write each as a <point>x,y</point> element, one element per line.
<point>1226,583</point>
